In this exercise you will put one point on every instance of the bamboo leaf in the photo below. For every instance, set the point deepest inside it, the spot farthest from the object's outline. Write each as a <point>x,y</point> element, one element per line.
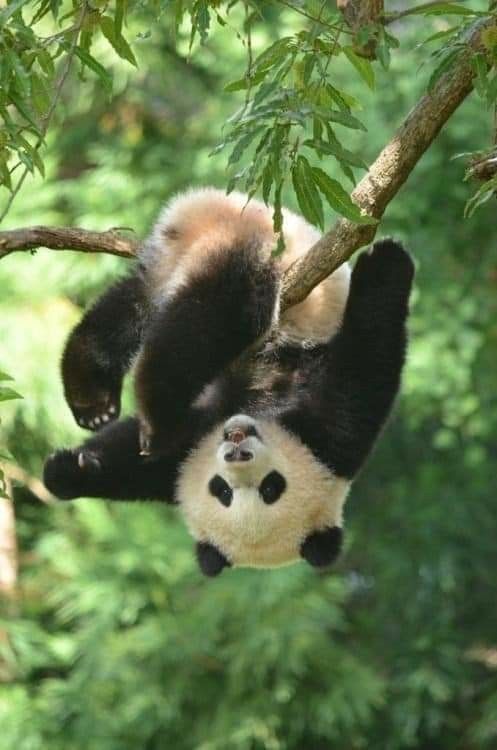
<point>307,194</point>
<point>116,40</point>
<point>363,66</point>
<point>8,394</point>
<point>339,199</point>
<point>90,62</point>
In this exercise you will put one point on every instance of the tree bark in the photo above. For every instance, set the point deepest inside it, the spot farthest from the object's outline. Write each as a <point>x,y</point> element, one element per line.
<point>373,194</point>
<point>112,241</point>
<point>8,547</point>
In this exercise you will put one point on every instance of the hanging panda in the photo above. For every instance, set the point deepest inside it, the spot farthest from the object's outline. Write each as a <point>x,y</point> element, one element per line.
<point>257,448</point>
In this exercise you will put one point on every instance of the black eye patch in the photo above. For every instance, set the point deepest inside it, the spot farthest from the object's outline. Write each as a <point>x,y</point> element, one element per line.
<point>272,487</point>
<point>221,489</point>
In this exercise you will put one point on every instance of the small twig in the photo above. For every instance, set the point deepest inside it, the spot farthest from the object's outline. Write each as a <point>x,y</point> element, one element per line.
<point>301,12</point>
<point>395,15</point>
<point>16,473</point>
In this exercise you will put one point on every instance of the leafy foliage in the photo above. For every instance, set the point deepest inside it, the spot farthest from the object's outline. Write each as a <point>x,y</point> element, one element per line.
<point>117,643</point>
<point>292,97</point>
<point>6,394</point>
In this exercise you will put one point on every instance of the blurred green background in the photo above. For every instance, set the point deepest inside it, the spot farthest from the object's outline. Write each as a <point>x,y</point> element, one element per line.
<point>116,641</point>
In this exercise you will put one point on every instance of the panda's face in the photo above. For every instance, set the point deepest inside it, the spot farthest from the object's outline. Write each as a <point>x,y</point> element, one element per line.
<point>255,492</point>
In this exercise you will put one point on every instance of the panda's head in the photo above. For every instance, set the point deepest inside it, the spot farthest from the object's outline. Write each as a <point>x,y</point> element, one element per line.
<point>253,494</point>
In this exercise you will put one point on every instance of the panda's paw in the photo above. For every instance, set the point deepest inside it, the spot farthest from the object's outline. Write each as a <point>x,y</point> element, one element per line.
<point>66,472</point>
<point>387,266</point>
<point>95,414</point>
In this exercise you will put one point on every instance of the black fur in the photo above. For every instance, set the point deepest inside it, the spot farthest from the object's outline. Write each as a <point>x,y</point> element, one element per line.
<point>197,334</point>
<point>100,350</point>
<point>351,391</point>
<point>272,487</point>
<point>218,487</point>
<point>210,559</point>
<point>335,397</point>
<point>112,468</point>
<point>322,548</point>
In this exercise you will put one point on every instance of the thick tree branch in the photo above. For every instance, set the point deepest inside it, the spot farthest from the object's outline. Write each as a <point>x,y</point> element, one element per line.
<point>374,192</point>
<point>68,238</point>
<point>386,175</point>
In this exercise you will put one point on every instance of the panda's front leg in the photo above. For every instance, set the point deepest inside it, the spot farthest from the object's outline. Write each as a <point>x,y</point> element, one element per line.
<point>223,309</point>
<point>109,466</point>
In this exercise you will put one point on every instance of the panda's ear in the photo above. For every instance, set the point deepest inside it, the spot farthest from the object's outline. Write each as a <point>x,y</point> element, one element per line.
<point>321,548</point>
<point>210,559</point>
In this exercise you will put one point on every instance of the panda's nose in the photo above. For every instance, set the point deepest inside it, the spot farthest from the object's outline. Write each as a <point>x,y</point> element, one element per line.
<point>236,436</point>
<point>238,454</point>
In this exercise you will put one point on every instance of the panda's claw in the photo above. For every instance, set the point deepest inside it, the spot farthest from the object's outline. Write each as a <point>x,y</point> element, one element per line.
<point>88,460</point>
<point>67,472</point>
<point>95,416</point>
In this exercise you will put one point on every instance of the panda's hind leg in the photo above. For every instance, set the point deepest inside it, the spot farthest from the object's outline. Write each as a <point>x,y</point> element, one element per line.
<point>209,322</point>
<point>100,350</point>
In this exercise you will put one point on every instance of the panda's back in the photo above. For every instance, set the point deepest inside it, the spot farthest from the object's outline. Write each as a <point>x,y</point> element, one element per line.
<point>199,224</point>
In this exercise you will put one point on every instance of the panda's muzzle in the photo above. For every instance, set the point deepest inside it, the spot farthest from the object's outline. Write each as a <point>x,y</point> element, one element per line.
<point>239,450</point>
<point>236,434</point>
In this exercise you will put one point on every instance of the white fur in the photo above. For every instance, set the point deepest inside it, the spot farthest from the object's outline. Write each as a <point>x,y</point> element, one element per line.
<point>250,532</point>
<point>200,222</point>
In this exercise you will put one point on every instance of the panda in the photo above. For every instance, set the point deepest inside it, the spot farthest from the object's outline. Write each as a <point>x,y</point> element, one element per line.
<point>252,421</point>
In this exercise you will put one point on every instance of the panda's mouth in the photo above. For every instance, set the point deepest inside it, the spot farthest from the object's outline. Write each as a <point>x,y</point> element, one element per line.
<point>238,445</point>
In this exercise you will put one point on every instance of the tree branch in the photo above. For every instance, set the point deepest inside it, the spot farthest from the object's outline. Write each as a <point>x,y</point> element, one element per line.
<point>15,473</point>
<point>68,238</point>
<point>387,174</point>
<point>374,192</point>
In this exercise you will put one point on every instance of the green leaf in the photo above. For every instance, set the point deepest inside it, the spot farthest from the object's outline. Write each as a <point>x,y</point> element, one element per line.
<point>5,178</point>
<point>5,376</point>
<point>40,94</point>
<point>22,78</point>
<point>439,9</point>
<point>307,194</point>
<point>383,51</point>
<point>246,82</point>
<point>363,66</point>
<point>335,149</point>
<point>242,145</point>
<point>267,182</point>
<point>45,62</point>
<point>90,62</point>
<point>8,394</point>
<point>344,100</point>
<point>339,199</point>
<point>480,67</point>
<point>21,107</point>
<point>439,35</point>
<point>116,40</point>
<point>275,53</point>
<point>278,210</point>
<point>8,11</point>
<point>121,10</point>
<point>341,117</point>
<point>33,154</point>
<point>446,63</point>
<point>482,195</point>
